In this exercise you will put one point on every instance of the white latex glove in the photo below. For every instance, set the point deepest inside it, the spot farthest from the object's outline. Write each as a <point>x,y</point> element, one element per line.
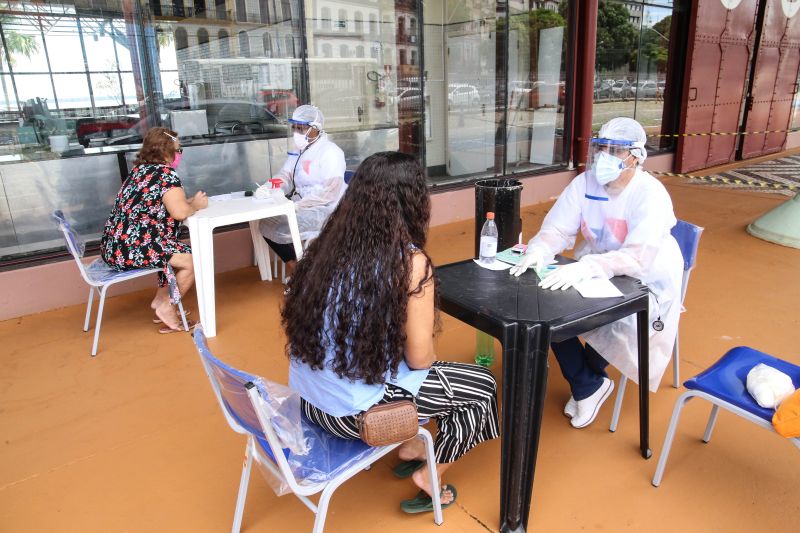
<point>532,258</point>
<point>566,276</point>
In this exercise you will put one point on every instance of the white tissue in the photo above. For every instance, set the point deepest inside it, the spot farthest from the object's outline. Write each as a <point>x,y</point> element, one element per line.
<point>768,386</point>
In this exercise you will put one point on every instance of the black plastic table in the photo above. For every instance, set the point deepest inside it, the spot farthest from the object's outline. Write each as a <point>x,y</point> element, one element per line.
<point>526,319</point>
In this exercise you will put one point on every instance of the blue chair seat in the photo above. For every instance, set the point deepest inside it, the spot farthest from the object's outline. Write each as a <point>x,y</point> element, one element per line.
<point>724,384</point>
<point>100,273</point>
<point>727,378</point>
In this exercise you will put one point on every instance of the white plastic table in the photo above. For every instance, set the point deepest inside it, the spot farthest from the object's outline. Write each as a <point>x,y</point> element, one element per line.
<point>224,213</point>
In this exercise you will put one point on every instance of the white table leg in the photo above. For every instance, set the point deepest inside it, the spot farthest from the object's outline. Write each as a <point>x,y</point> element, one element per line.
<point>261,252</point>
<point>293,229</point>
<point>197,261</point>
<point>209,304</point>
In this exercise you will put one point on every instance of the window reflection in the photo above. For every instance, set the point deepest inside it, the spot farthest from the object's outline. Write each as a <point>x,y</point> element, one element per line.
<point>631,76</point>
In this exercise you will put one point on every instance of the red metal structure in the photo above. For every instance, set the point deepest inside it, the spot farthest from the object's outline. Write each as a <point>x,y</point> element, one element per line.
<point>720,44</point>
<point>769,105</point>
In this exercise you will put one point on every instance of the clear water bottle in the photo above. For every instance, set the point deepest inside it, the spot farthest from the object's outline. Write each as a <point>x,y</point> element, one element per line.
<point>488,239</point>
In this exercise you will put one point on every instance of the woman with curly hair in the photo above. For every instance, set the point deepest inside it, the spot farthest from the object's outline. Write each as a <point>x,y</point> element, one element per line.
<point>360,315</point>
<point>142,230</point>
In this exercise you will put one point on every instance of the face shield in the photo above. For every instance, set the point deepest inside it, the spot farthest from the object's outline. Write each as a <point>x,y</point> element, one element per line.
<point>299,135</point>
<point>607,158</point>
<point>305,127</point>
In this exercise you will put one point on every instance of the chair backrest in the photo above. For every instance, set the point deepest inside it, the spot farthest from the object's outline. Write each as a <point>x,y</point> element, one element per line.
<point>348,175</point>
<point>246,402</point>
<point>688,237</point>
<point>75,244</point>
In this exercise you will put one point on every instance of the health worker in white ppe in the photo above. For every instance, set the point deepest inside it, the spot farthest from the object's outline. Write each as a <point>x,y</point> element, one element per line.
<point>625,216</point>
<point>313,178</point>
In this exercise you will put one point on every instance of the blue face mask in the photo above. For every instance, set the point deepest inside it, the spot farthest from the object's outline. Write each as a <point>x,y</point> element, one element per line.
<point>607,168</point>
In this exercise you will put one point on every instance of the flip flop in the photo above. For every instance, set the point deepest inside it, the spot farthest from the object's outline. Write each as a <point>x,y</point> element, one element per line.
<point>406,468</point>
<point>422,503</point>
<point>157,320</point>
<point>166,329</point>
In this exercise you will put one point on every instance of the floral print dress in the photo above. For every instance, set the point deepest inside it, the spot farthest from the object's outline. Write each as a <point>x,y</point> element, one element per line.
<point>140,233</point>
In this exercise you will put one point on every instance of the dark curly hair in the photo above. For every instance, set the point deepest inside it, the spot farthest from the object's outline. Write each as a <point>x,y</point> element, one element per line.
<point>350,291</point>
<point>158,146</point>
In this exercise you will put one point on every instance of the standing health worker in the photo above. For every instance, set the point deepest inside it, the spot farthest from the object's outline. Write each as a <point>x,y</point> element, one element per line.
<point>625,216</point>
<point>313,178</point>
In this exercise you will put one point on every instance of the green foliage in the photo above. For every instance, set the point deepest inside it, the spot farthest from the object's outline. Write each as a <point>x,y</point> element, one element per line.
<point>617,38</point>
<point>16,43</point>
<point>655,46</point>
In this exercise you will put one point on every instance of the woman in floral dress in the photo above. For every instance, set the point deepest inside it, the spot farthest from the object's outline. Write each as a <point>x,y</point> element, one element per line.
<point>142,230</point>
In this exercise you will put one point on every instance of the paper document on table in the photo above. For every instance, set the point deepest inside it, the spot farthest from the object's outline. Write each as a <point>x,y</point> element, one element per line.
<point>219,198</point>
<point>494,265</point>
<point>598,288</point>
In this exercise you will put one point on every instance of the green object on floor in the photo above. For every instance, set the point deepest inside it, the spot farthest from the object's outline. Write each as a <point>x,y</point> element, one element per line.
<point>422,503</point>
<point>781,225</point>
<point>406,468</point>
<point>484,349</point>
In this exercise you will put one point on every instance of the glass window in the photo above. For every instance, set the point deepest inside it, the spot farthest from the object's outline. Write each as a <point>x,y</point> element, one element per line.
<point>267,42</point>
<point>537,52</point>
<point>222,13</point>
<point>202,42</point>
<point>342,22</point>
<point>244,44</point>
<point>224,44</point>
<point>358,22</point>
<point>631,66</point>
<point>326,18</point>
<point>459,102</point>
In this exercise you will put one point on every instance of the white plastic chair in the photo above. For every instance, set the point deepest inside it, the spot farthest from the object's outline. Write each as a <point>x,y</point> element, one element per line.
<point>99,276</point>
<point>252,407</point>
<point>688,237</point>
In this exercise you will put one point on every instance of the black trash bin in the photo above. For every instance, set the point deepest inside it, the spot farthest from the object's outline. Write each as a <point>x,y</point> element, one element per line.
<point>502,197</point>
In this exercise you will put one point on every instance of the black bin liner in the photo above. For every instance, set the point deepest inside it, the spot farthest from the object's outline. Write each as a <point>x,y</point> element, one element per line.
<point>502,197</point>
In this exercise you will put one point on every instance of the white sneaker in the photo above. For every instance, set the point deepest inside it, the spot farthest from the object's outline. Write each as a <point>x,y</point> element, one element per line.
<point>571,409</point>
<point>587,409</point>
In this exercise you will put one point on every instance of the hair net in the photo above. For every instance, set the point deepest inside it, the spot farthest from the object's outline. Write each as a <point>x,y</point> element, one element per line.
<point>308,114</point>
<point>626,129</point>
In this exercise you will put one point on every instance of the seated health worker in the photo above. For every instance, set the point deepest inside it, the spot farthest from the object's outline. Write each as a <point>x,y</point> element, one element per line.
<point>142,229</point>
<point>625,216</point>
<point>313,178</point>
<point>360,315</point>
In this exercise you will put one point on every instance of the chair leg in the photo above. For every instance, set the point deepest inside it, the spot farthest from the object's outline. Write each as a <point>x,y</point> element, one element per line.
<point>676,358</point>
<point>712,419</point>
<point>243,483</point>
<point>99,319</point>
<point>89,309</point>
<point>673,424</point>
<point>430,456</point>
<point>618,404</point>
<point>183,316</point>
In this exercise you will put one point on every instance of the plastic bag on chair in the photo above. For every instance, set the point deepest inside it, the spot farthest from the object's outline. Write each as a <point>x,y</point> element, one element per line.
<point>313,455</point>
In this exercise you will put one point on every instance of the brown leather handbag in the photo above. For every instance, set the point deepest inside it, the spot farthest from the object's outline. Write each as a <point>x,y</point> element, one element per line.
<point>388,423</point>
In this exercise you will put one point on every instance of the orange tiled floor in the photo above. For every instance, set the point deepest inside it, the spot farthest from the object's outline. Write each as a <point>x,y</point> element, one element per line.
<point>133,440</point>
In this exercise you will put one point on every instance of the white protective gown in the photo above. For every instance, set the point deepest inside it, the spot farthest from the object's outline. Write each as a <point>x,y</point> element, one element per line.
<point>625,233</point>
<point>319,182</point>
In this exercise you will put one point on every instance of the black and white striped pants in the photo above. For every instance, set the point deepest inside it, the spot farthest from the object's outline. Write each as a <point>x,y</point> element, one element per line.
<point>462,398</point>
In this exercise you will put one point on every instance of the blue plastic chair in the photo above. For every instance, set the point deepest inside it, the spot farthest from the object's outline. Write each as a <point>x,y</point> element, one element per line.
<point>688,237</point>
<point>348,175</point>
<point>724,384</point>
<point>246,402</point>
<point>99,276</point>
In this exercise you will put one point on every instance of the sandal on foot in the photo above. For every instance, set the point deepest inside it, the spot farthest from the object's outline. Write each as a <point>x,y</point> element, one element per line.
<point>157,320</point>
<point>406,468</point>
<point>422,503</point>
<point>166,329</point>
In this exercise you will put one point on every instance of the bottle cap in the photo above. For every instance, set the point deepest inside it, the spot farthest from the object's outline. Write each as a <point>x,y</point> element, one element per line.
<point>490,215</point>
